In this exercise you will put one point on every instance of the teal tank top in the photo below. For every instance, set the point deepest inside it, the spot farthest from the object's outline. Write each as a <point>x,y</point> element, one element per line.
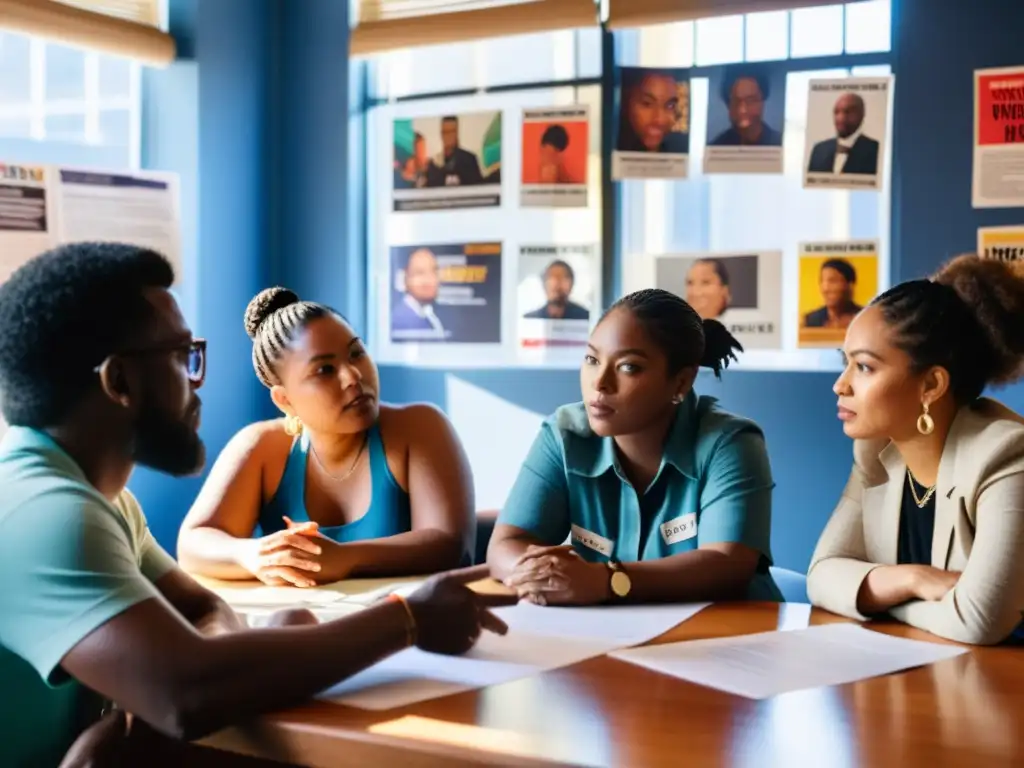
<point>389,513</point>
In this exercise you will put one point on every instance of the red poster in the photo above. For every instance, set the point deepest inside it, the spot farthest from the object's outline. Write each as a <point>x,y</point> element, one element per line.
<point>1000,109</point>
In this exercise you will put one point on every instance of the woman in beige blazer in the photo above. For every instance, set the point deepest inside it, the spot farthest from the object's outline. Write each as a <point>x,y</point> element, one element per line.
<point>930,527</point>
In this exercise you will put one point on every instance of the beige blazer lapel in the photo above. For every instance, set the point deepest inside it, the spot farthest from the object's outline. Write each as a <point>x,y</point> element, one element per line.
<point>947,508</point>
<point>882,505</point>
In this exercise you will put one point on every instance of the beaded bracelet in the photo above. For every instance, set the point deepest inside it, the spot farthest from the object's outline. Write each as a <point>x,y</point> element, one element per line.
<point>410,627</point>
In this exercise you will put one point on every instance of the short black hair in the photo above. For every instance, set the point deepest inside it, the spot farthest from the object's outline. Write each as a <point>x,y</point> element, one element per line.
<point>450,119</point>
<point>273,319</point>
<point>966,319</point>
<point>555,136</point>
<point>719,266</point>
<point>679,332</point>
<point>737,72</point>
<point>62,314</point>
<point>843,267</point>
<point>564,265</point>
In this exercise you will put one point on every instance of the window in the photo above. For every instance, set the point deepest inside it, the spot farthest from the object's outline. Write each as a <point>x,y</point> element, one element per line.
<point>57,94</point>
<point>547,57</point>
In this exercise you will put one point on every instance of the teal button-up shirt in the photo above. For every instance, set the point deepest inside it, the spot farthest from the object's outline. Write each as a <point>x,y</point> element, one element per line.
<point>714,485</point>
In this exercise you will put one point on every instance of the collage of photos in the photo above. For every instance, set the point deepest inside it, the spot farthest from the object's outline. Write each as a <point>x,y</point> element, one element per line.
<point>743,291</point>
<point>541,296</point>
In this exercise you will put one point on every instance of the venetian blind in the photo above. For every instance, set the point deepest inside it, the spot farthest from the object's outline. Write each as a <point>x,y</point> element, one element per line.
<point>385,25</point>
<point>120,27</point>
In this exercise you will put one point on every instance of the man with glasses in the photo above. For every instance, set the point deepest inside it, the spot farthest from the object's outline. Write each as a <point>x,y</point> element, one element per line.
<point>98,372</point>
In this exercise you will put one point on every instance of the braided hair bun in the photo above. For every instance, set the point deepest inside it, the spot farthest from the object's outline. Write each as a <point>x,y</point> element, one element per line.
<point>264,304</point>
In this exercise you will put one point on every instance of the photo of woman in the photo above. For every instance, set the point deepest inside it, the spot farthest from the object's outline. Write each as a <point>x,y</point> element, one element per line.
<point>653,139</point>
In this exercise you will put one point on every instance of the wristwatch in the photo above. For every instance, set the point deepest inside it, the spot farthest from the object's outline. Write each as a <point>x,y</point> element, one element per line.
<point>620,581</point>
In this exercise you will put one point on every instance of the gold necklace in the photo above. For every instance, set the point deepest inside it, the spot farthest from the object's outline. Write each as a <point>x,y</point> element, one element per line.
<point>355,461</point>
<point>921,501</point>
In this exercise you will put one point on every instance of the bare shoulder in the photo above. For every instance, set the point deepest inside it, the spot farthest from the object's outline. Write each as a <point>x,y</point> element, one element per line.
<point>413,423</point>
<point>260,440</point>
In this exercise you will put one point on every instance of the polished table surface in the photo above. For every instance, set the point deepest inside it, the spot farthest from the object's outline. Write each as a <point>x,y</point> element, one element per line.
<point>964,711</point>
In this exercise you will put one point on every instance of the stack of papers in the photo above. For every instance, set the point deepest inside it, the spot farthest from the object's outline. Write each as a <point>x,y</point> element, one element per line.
<point>770,663</point>
<point>539,639</point>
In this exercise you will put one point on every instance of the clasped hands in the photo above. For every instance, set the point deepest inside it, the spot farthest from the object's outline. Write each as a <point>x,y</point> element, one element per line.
<point>558,576</point>
<point>298,556</point>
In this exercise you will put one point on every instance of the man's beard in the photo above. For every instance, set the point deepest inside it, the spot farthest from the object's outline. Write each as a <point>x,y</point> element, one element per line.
<point>167,444</point>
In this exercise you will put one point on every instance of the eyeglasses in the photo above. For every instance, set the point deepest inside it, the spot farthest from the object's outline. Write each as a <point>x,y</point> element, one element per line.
<point>195,351</point>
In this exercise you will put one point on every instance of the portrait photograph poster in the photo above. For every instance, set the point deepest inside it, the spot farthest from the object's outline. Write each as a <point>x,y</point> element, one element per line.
<point>1003,243</point>
<point>741,290</point>
<point>998,138</point>
<point>447,161</point>
<point>847,126</point>
<point>837,280</point>
<point>652,140</point>
<point>746,117</point>
<point>448,293</point>
<point>557,298</point>
<point>556,147</point>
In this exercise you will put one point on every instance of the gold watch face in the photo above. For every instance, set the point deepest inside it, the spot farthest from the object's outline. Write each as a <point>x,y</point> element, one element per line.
<point>620,583</point>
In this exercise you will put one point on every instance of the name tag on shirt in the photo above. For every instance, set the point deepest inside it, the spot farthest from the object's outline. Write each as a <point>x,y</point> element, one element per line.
<point>680,529</point>
<point>592,541</point>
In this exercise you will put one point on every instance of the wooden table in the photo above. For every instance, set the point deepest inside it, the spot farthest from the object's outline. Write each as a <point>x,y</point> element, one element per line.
<point>604,712</point>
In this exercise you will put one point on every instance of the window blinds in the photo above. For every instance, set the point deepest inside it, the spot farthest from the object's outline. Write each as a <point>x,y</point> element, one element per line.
<point>641,13</point>
<point>120,27</point>
<point>385,25</point>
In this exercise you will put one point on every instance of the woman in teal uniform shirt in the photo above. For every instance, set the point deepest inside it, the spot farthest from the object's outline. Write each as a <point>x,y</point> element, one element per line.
<point>661,496</point>
<point>342,485</point>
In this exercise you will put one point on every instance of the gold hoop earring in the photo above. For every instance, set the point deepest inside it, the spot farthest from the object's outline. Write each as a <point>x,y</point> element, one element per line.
<point>925,423</point>
<point>293,425</point>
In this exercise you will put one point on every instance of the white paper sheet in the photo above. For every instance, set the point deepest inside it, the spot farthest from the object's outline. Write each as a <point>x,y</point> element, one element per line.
<point>539,639</point>
<point>277,597</point>
<point>770,663</point>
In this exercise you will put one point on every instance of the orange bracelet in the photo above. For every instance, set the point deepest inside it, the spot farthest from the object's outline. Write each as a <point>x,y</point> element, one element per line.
<point>410,629</point>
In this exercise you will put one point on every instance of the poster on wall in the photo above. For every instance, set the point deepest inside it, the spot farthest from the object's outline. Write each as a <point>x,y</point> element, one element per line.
<point>837,280</point>
<point>653,136</point>
<point>446,293</point>
<point>746,115</point>
<point>1003,243</point>
<point>24,215</point>
<point>997,181</point>
<point>742,290</point>
<point>558,295</point>
<point>556,146</point>
<point>847,123</point>
<point>449,161</point>
<point>44,206</point>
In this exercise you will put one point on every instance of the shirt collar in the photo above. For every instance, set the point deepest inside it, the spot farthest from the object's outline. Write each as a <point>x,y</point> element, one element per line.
<point>423,310</point>
<point>28,440</point>
<point>591,456</point>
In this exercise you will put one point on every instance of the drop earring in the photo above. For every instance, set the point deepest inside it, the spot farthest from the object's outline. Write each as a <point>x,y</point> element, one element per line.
<point>677,399</point>
<point>925,423</point>
<point>293,425</point>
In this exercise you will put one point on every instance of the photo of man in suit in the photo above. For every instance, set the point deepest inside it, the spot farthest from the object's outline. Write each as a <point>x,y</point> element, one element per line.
<point>454,166</point>
<point>850,152</point>
<point>414,315</point>
<point>559,280</point>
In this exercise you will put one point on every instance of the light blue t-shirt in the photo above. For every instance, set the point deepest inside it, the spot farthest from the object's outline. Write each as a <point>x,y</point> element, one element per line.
<point>714,485</point>
<point>69,562</point>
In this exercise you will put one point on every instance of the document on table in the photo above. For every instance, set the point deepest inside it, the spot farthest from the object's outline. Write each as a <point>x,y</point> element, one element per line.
<point>770,663</point>
<point>277,597</point>
<point>539,639</point>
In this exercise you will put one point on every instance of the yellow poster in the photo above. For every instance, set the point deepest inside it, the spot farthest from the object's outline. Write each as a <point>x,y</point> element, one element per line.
<point>1004,243</point>
<point>837,280</point>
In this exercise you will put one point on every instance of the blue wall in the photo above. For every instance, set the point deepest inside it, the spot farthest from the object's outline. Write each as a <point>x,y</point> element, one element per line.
<point>256,122</point>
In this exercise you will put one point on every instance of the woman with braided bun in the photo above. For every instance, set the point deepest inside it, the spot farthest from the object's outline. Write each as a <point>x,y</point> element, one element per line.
<point>930,526</point>
<point>664,497</point>
<point>342,485</point>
